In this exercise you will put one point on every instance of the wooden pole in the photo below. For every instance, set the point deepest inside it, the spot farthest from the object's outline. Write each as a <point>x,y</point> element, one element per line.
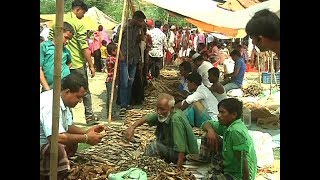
<point>271,75</point>
<point>274,73</point>
<point>117,57</point>
<point>259,70</point>
<point>56,89</point>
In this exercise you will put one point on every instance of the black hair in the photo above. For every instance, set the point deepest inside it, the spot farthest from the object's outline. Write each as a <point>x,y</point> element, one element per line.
<point>236,53</point>
<point>68,27</point>
<point>74,82</point>
<point>195,78</point>
<point>191,53</point>
<point>264,23</point>
<point>111,47</point>
<point>157,24</point>
<point>104,42</point>
<point>232,105</point>
<point>139,14</point>
<point>186,66</point>
<point>200,47</point>
<point>100,27</point>
<point>79,3</point>
<point>214,71</point>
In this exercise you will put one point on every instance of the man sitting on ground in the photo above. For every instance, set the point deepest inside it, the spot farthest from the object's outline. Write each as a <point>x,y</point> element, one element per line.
<point>238,73</point>
<point>217,88</point>
<point>73,88</point>
<point>239,156</point>
<point>174,135</point>
<point>202,68</point>
<point>201,105</point>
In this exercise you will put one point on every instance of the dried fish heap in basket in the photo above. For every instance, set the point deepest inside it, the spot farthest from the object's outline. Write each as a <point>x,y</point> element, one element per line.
<point>252,90</point>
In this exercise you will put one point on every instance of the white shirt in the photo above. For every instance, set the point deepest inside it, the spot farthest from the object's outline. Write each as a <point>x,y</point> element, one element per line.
<point>65,117</point>
<point>159,40</point>
<point>210,38</point>
<point>203,71</point>
<point>208,100</point>
<point>45,33</point>
<point>220,97</point>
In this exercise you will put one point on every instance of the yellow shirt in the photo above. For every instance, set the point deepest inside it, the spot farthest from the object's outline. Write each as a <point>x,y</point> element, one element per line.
<point>78,42</point>
<point>104,53</point>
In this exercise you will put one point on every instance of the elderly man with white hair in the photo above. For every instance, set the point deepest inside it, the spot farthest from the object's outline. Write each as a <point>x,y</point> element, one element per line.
<point>174,135</point>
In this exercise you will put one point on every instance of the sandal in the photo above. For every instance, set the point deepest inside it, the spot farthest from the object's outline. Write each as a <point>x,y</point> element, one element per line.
<point>122,112</point>
<point>93,120</point>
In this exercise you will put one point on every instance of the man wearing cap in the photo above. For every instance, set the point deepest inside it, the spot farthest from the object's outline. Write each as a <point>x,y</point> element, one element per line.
<point>159,43</point>
<point>172,41</point>
<point>202,68</point>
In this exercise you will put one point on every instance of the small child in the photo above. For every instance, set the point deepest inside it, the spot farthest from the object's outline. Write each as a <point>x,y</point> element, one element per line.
<point>110,63</point>
<point>217,88</point>
<point>239,156</point>
<point>104,55</point>
<point>47,50</point>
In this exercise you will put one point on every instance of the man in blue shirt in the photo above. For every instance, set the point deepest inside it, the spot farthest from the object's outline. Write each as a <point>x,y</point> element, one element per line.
<point>235,79</point>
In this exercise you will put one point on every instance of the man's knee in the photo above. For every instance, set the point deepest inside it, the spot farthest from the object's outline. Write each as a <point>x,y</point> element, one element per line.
<point>71,149</point>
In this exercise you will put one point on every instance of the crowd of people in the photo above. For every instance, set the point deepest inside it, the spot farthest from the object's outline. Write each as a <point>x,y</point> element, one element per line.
<point>147,45</point>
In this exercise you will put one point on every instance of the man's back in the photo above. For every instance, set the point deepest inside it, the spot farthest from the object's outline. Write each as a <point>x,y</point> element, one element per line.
<point>158,42</point>
<point>239,78</point>
<point>203,71</point>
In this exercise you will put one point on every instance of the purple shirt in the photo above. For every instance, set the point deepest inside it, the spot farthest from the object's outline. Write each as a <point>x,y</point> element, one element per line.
<point>201,38</point>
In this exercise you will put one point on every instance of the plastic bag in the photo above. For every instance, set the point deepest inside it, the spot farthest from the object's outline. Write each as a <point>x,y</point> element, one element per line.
<point>132,173</point>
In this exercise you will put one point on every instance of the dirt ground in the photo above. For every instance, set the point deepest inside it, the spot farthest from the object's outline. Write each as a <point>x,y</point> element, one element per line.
<point>98,95</point>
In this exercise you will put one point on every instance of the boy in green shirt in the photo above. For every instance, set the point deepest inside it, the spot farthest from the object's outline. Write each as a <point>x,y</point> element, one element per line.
<point>47,50</point>
<point>239,156</point>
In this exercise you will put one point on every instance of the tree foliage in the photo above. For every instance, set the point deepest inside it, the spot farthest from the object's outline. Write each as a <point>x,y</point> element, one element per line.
<point>113,8</point>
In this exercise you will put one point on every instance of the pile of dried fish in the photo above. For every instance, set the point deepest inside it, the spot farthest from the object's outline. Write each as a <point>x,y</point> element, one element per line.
<point>163,85</point>
<point>115,153</point>
<point>168,82</point>
<point>90,171</point>
<point>252,90</point>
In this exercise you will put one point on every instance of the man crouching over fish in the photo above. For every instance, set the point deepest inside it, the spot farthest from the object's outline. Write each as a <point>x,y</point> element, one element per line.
<point>174,135</point>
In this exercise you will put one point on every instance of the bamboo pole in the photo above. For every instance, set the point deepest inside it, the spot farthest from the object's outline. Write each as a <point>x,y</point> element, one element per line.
<point>56,90</point>
<point>117,61</point>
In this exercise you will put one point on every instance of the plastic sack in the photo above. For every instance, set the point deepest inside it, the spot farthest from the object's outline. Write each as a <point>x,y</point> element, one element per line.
<point>228,65</point>
<point>263,146</point>
<point>132,173</point>
<point>235,93</point>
